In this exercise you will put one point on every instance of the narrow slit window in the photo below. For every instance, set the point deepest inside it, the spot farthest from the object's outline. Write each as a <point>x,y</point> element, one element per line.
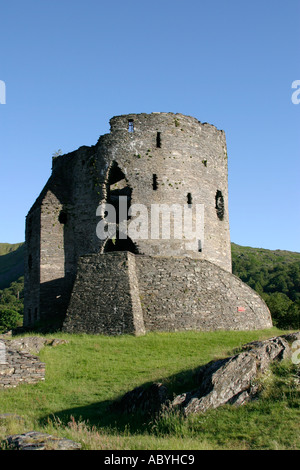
<point>154,182</point>
<point>158,140</point>
<point>199,246</point>
<point>189,199</point>
<point>130,125</point>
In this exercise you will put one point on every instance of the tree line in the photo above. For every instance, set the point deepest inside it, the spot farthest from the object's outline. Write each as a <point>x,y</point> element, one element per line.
<point>275,275</point>
<point>12,305</point>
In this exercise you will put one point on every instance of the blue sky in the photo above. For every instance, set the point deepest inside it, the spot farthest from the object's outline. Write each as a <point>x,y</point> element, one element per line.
<point>70,65</point>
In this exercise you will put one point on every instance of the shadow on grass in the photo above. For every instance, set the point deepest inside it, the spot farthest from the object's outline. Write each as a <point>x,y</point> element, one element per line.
<point>103,414</point>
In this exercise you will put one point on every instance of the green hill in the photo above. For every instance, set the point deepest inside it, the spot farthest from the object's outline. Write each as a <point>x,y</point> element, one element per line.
<point>275,275</point>
<point>11,263</point>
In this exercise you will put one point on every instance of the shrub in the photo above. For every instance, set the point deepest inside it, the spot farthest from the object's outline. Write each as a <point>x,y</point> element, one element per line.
<point>9,318</point>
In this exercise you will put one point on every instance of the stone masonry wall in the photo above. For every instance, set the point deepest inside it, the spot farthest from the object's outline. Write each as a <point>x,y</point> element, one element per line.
<point>188,294</point>
<point>191,159</point>
<point>17,367</point>
<point>105,297</point>
<point>119,292</point>
<point>188,161</point>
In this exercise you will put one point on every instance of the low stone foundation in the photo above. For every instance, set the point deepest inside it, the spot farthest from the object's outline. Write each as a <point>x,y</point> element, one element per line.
<point>18,363</point>
<point>119,292</point>
<point>18,367</point>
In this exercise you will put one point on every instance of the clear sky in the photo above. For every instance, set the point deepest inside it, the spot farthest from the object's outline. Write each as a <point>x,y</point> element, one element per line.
<point>70,65</point>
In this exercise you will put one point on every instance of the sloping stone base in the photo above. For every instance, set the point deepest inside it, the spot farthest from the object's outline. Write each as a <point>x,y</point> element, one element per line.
<point>119,292</point>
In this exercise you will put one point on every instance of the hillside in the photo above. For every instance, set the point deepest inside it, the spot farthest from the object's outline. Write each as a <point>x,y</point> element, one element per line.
<point>275,275</point>
<point>11,263</point>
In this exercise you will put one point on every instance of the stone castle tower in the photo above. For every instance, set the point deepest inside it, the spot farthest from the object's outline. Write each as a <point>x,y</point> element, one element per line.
<point>152,277</point>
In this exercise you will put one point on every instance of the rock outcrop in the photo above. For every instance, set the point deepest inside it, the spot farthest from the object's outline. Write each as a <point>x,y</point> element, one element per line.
<point>40,441</point>
<point>232,380</point>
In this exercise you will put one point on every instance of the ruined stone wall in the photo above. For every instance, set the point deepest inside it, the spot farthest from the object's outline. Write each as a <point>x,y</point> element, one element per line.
<point>19,367</point>
<point>114,290</point>
<point>191,159</point>
<point>105,298</point>
<point>60,227</point>
<point>32,267</point>
<point>188,294</point>
<point>189,162</point>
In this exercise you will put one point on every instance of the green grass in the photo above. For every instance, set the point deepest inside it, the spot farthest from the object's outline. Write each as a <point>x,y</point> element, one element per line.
<point>84,376</point>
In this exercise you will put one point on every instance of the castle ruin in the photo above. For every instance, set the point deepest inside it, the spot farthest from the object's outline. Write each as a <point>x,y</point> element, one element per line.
<point>139,280</point>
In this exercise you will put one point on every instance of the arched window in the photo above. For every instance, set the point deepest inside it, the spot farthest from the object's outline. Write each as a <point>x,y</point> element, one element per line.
<point>116,186</point>
<point>119,244</point>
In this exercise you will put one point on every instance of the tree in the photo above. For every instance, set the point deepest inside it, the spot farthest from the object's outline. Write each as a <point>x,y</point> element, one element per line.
<point>279,305</point>
<point>9,318</point>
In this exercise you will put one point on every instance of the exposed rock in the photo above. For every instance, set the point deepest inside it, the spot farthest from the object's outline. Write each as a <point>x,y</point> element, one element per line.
<point>32,344</point>
<point>232,380</point>
<point>144,400</point>
<point>291,337</point>
<point>40,441</point>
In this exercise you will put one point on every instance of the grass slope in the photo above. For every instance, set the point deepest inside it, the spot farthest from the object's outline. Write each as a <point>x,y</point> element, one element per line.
<point>84,376</point>
<point>6,248</point>
<point>11,263</point>
<point>267,257</point>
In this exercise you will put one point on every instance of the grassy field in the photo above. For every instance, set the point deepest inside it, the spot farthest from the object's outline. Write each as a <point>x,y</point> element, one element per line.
<point>85,375</point>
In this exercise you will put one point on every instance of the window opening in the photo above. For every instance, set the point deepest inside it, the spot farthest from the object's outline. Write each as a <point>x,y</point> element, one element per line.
<point>158,140</point>
<point>63,217</point>
<point>220,205</point>
<point>130,125</point>
<point>116,186</point>
<point>118,244</point>
<point>189,199</point>
<point>154,182</point>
